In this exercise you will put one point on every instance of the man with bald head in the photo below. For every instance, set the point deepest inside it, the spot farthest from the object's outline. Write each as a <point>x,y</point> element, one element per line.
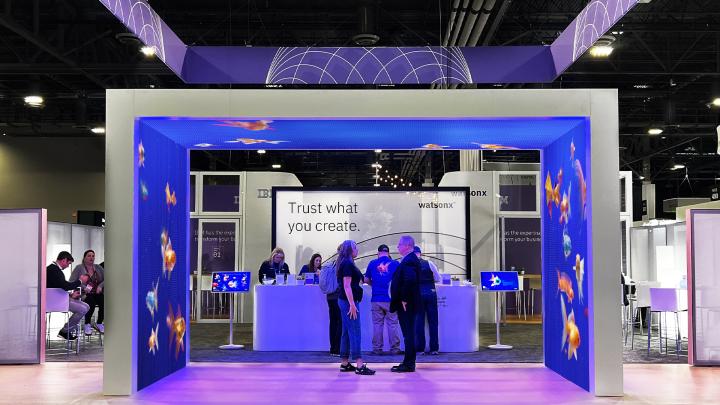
<point>405,298</point>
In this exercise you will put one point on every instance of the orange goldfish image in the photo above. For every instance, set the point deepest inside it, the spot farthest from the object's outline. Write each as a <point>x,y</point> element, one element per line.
<point>141,155</point>
<point>579,274</point>
<point>552,194</point>
<point>153,340</point>
<point>170,198</point>
<point>176,326</point>
<point>572,150</point>
<point>565,285</point>
<point>571,333</point>
<point>493,146</point>
<point>260,125</point>
<point>565,206</point>
<point>582,184</point>
<point>169,259</point>
<point>251,141</point>
<point>434,146</point>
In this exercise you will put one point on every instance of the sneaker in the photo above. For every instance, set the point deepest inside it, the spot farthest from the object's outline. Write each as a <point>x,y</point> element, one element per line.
<point>88,329</point>
<point>63,334</point>
<point>99,327</point>
<point>364,370</point>
<point>346,368</point>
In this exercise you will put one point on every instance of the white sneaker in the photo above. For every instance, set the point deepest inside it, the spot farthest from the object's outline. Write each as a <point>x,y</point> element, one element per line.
<point>100,327</point>
<point>88,329</point>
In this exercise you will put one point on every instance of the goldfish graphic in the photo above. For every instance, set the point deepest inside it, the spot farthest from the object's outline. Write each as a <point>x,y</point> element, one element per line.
<point>583,185</point>
<point>141,155</point>
<point>552,194</point>
<point>571,333</point>
<point>567,243</point>
<point>144,191</point>
<point>494,281</point>
<point>565,285</point>
<point>260,125</point>
<point>164,238</point>
<point>169,259</point>
<point>151,299</point>
<point>572,150</point>
<point>153,339</point>
<point>433,146</point>
<point>251,141</point>
<point>492,146</point>
<point>170,198</point>
<point>579,274</point>
<point>565,206</point>
<point>176,326</point>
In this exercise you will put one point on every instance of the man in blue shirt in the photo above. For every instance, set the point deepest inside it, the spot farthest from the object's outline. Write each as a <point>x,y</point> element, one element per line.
<point>379,273</point>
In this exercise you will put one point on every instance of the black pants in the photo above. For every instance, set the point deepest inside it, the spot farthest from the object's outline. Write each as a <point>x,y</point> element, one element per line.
<point>429,310</point>
<point>95,300</point>
<point>335,325</point>
<point>407,325</point>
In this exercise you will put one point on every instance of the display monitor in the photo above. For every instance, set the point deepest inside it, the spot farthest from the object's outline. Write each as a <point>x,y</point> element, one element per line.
<point>231,282</point>
<point>499,281</point>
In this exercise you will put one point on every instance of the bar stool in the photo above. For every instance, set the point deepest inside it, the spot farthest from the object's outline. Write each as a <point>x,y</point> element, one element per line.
<point>642,300</point>
<point>662,301</point>
<point>520,301</point>
<point>57,300</point>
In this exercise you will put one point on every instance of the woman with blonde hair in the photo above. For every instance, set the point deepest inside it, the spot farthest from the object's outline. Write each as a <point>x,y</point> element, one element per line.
<point>350,294</point>
<point>274,266</point>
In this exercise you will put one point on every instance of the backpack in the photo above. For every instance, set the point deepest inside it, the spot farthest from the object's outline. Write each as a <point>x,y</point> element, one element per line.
<point>328,279</point>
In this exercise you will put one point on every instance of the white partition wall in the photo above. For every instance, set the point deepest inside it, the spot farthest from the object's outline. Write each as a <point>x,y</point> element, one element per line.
<point>22,306</point>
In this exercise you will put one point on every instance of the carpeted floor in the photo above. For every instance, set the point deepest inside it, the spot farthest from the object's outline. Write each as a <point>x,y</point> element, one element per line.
<point>526,340</point>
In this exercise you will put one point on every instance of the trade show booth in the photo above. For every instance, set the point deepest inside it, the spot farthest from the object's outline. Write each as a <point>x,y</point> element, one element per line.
<point>149,134</point>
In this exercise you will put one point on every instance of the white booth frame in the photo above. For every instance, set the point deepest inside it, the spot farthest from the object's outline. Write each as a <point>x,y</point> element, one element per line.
<point>125,106</point>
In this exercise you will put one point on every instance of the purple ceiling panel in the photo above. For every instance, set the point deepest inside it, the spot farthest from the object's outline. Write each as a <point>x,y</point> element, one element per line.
<point>592,22</point>
<point>380,65</point>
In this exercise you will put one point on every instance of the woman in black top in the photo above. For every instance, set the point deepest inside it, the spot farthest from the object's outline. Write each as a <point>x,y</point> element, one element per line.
<point>313,267</point>
<point>350,295</point>
<point>274,266</point>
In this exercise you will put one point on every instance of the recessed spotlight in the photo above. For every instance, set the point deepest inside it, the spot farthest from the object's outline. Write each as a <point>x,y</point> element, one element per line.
<point>396,176</point>
<point>716,102</point>
<point>497,85</point>
<point>378,150</point>
<point>203,145</point>
<point>261,151</point>
<point>276,166</point>
<point>394,185</point>
<point>655,131</point>
<point>601,51</point>
<point>34,101</point>
<point>678,166</point>
<point>409,184</point>
<point>148,51</point>
<point>98,130</point>
<point>641,177</point>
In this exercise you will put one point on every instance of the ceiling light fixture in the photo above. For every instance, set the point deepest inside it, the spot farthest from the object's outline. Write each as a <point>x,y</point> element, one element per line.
<point>261,151</point>
<point>678,166</point>
<point>98,130</point>
<point>378,150</point>
<point>34,101</point>
<point>603,47</point>
<point>276,166</point>
<point>655,131</point>
<point>641,86</point>
<point>716,102</point>
<point>148,51</point>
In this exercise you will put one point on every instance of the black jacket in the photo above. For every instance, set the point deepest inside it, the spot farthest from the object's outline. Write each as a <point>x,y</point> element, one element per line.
<point>405,284</point>
<point>56,279</point>
<point>268,270</point>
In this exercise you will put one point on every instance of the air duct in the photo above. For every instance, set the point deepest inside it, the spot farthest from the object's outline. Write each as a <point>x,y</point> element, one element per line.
<point>366,25</point>
<point>482,21</point>
<point>468,27</point>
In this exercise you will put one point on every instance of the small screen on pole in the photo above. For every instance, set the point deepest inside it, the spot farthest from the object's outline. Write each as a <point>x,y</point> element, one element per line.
<point>231,282</point>
<point>499,281</point>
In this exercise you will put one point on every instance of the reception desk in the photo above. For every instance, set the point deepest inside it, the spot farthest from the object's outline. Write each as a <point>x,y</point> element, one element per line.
<point>295,318</point>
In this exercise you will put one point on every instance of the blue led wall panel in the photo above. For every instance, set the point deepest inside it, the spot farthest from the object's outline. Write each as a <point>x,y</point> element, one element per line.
<point>162,206</point>
<point>566,264</point>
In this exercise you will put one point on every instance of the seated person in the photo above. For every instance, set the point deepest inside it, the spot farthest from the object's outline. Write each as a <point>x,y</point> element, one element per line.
<point>56,279</point>
<point>92,291</point>
<point>313,267</point>
<point>274,266</point>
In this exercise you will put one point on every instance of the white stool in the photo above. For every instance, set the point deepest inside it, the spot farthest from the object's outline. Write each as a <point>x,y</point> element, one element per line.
<point>58,300</point>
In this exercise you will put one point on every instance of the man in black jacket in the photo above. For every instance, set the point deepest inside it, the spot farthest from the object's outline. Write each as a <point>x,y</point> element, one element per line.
<point>405,298</point>
<point>56,279</point>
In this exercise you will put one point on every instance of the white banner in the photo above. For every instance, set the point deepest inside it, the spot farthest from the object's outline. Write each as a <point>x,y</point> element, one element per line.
<point>317,221</point>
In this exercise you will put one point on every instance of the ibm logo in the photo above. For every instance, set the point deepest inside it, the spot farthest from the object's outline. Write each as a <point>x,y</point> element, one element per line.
<point>263,193</point>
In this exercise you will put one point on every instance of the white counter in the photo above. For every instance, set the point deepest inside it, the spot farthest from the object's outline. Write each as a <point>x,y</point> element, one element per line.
<point>295,318</point>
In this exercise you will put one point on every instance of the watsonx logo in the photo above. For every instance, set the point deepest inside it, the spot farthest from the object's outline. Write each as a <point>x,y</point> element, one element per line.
<point>436,205</point>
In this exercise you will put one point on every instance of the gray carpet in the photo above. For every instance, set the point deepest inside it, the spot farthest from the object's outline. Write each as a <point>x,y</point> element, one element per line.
<point>90,351</point>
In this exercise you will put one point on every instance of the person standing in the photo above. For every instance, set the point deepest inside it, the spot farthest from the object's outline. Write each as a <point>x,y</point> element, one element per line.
<point>350,295</point>
<point>56,279</point>
<point>328,284</point>
<point>405,298</point>
<point>378,274</point>
<point>429,275</point>
<point>93,290</point>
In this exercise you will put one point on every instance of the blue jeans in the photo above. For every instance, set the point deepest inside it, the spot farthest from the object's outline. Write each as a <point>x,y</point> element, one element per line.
<point>428,307</point>
<point>350,339</point>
